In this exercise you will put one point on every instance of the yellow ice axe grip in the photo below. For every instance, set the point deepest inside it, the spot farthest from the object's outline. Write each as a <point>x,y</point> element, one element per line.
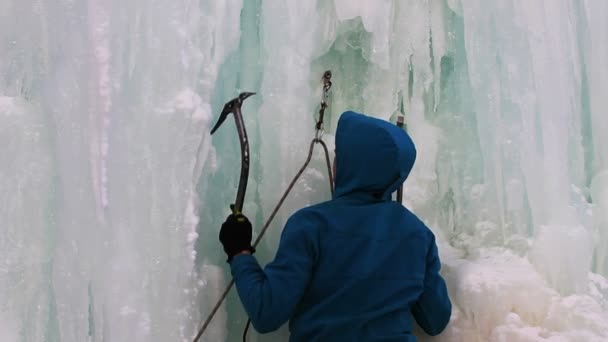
<point>237,213</point>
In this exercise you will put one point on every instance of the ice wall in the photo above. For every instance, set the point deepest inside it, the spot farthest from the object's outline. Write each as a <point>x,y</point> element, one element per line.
<point>113,191</point>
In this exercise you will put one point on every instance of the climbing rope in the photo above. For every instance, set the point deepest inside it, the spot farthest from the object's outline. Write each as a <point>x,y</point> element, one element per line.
<point>326,79</point>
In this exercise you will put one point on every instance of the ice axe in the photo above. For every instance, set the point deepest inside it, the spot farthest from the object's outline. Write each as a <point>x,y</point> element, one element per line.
<point>234,106</point>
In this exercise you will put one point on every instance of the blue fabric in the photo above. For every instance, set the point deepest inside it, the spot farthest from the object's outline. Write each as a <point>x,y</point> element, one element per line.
<point>358,267</point>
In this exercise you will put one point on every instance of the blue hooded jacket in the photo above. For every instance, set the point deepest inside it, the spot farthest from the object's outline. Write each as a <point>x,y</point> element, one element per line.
<point>358,267</point>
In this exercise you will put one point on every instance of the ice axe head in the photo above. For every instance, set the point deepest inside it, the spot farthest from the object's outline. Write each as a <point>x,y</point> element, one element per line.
<point>230,107</point>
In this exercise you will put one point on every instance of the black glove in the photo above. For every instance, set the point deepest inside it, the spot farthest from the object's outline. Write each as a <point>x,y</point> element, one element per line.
<point>235,235</point>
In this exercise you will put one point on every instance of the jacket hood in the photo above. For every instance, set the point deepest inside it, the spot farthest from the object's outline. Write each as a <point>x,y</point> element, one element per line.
<point>373,156</point>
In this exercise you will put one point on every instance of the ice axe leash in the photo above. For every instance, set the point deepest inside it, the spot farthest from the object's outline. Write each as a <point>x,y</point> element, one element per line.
<point>235,106</point>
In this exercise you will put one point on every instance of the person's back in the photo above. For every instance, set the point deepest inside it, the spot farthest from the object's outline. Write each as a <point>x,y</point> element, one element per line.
<point>370,272</point>
<point>358,267</point>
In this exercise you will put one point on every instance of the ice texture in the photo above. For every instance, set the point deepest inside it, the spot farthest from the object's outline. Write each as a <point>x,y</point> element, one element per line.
<point>113,191</point>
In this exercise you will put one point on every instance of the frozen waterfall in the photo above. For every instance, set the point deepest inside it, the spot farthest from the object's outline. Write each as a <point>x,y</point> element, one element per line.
<point>113,190</point>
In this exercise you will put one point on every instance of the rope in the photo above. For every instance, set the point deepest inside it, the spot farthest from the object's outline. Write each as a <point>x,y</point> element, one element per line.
<point>265,228</point>
<point>293,182</point>
<point>326,79</point>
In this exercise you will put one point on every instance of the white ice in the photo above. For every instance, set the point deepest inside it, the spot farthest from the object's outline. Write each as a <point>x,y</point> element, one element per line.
<point>113,191</point>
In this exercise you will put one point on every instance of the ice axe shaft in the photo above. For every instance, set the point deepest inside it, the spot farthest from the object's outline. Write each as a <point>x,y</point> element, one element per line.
<point>234,106</point>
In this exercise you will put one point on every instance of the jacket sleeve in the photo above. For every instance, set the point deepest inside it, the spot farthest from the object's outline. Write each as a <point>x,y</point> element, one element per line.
<point>271,295</point>
<point>433,309</point>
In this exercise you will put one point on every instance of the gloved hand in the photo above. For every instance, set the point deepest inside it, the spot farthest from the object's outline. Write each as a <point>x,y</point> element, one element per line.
<point>235,235</point>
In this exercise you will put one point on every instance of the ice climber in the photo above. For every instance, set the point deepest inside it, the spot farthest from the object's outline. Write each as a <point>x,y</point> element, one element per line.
<point>356,268</point>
